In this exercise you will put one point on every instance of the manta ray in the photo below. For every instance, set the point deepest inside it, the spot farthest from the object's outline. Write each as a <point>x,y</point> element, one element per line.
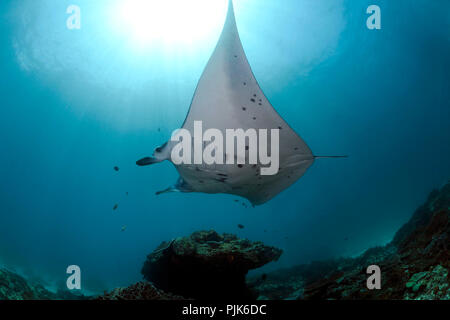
<point>228,96</point>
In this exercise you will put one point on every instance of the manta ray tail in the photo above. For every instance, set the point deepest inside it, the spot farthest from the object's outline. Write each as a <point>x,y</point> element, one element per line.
<point>147,161</point>
<point>330,157</point>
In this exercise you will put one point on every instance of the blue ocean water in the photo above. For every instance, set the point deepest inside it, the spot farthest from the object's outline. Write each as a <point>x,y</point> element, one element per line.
<point>76,103</point>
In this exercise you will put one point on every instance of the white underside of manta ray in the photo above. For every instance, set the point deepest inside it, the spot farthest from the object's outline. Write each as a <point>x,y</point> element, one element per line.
<point>229,97</point>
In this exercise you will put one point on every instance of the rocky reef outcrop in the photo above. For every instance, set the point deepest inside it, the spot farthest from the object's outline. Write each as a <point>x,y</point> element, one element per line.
<point>15,287</point>
<point>140,291</point>
<point>415,265</point>
<point>207,265</point>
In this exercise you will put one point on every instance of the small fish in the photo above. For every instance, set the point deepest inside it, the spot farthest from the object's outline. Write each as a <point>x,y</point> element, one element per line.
<point>240,226</point>
<point>123,228</point>
<point>115,206</point>
<point>116,168</point>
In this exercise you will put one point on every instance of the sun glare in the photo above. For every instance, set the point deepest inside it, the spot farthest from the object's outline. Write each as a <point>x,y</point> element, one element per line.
<point>146,22</point>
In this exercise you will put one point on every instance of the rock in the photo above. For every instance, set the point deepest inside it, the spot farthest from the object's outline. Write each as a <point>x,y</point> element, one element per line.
<point>414,265</point>
<point>139,291</point>
<point>416,281</point>
<point>16,287</point>
<point>429,285</point>
<point>207,265</point>
<point>427,234</point>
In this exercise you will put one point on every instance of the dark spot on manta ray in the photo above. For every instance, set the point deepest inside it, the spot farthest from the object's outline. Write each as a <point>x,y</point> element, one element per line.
<point>116,168</point>
<point>280,128</point>
<point>245,83</point>
<point>246,148</point>
<point>235,56</point>
<point>240,226</point>
<point>222,174</point>
<point>254,166</point>
<point>260,104</point>
<point>254,118</point>
<point>244,108</point>
<point>240,166</point>
<point>252,100</point>
<point>254,95</point>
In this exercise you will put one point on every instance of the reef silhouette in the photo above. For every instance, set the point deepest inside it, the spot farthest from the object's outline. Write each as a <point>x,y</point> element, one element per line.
<point>15,287</point>
<point>207,265</point>
<point>415,265</point>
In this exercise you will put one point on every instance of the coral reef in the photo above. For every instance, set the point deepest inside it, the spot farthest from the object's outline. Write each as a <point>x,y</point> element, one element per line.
<point>429,285</point>
<point>207,265</point>
<point>16,287</point>
<point>139,291</point>
<point>414,265</point>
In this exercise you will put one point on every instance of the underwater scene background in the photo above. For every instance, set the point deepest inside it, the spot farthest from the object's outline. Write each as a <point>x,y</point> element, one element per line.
<point>76,104</point>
